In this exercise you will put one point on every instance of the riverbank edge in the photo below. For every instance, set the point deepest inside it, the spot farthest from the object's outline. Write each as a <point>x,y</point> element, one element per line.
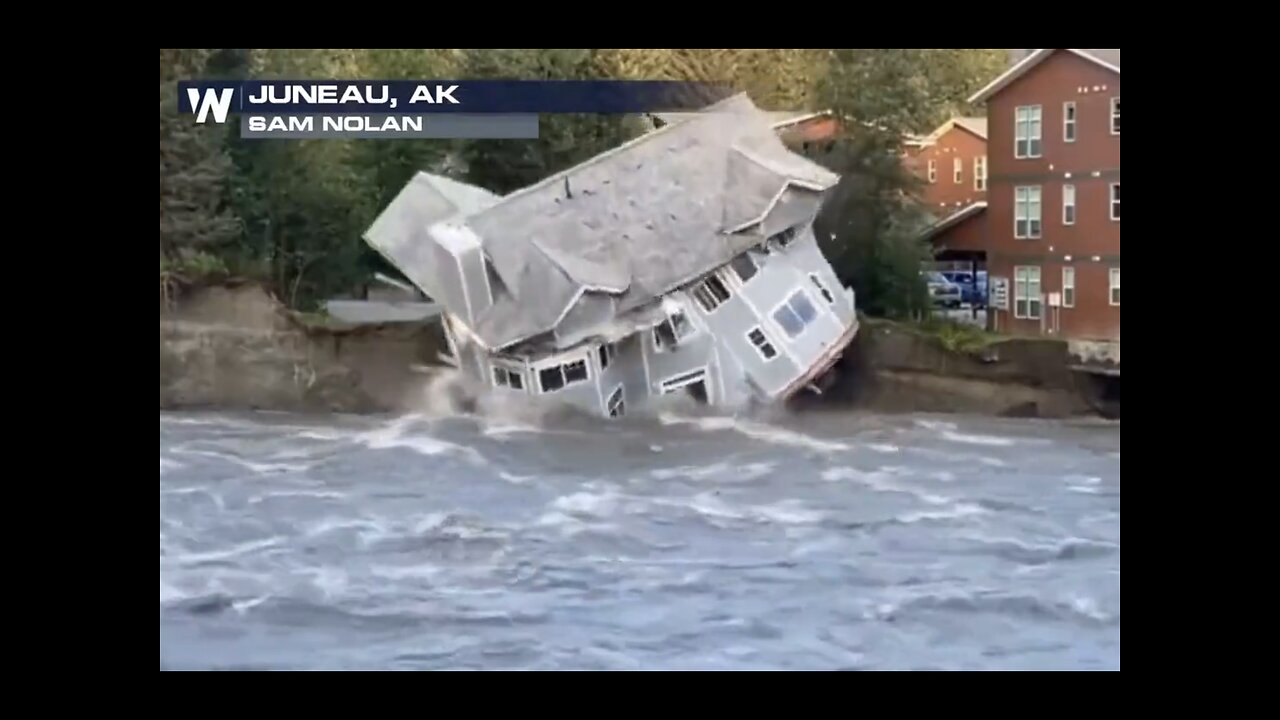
<point>230,345</point>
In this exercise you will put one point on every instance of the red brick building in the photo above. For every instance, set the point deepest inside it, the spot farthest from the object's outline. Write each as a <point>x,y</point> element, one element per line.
<point>1053,194</point>
<point>952,162</point>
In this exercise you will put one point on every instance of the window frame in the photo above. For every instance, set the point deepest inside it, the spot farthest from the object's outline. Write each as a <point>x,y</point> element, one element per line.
<point>1113,286</point>
<point>1019,203</point>
<point>786,303</point>
<point>766,342</point>
<point>1070,122</point>
<point>932,171</point>
<point>1034,115</point>
<point>1071,189</point>
<point>1022,292</point>
<point>980,173</point>
<point>1113,201</point>
<point>1069,301</point>
<point>562,366</point>
<point>1115,115</point>
<point>957,170</point>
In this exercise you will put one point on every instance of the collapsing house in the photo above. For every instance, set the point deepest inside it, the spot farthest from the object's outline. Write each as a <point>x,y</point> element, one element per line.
<point>682,261</point>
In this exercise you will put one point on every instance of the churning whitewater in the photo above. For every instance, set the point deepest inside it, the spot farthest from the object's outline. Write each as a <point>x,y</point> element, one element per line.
<point>821,541</point>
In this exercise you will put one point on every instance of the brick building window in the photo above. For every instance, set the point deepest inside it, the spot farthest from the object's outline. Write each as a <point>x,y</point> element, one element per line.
<point>980,173</point>
<point>1068,204</point>
<point>933,171</point>
<point>1068,122</point>
<point>1027,135</point>
<point>1115,201</point>
<point>1115,286</point>
<point>1026,292</point>
<point>957,168</point>
<point>1115,116</point>
<point>1068,287</point>
<point>1026,212</point>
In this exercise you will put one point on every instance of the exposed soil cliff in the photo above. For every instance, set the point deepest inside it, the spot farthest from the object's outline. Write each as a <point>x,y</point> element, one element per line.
<point>233,346</point>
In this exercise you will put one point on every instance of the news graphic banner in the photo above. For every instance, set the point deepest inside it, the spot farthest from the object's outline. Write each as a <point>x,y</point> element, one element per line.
<point>429,109</point>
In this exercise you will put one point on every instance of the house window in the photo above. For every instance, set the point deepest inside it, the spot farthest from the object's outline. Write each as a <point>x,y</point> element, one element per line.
<point>1026,292</point>
<point>794,315</point>
<point>784,238</point>
<point>1069,122</point>
<point>822,289</point>
<point>761,343</point>
<point>556,377</point>
<point>1115,286</point>
<point>980,173</point>
<point>1115,201</point>
<point>1068,287</point>
<point>1026,212</point>
<point>607,353</point>
<point>710,293</point>
<point>744,267</point>
<point>1027,132</point>
<point>957,167</point>
<point>616,406</point>
<point>506,377</point>
<point>1115,116</point>
<point>933,171</point>
<point>1068,204</point>
<point>671,331</point>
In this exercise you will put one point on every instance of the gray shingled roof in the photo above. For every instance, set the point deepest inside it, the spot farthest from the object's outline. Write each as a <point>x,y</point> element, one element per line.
<point>614,233</point>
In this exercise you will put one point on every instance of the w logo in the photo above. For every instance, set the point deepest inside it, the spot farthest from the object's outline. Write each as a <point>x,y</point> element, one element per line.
<point>219,101</point>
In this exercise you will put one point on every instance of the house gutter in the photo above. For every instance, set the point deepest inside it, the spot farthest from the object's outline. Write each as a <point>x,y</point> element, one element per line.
<point>823,363</point>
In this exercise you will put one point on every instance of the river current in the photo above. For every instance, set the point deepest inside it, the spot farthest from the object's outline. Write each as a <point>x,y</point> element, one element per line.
<point>681,541</point>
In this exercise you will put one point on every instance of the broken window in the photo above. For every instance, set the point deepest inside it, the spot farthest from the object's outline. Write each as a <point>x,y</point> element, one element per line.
<point>617,407</point>
<point>794,315</point>
<point>506,377</point>
<point>557,376</point>
<point>762,344</point>
<point>606,355</point>
<point>783,238</point>
<point>826,294</point>
<point>711,293</point>
<point>744,266</point>
<point>672,330</point>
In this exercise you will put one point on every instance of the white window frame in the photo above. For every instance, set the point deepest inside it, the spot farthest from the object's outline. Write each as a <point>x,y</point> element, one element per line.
<point>685,379</point>
<point>509,372</point>
<point>768,341</point>
<point>787,303</point>
<point>1113,202</point>
<point>980,173</point>
<point>1028,127</point>
<point>1069,122</point>
<point>957,169</point>
<point>1069,203</point>
<point>735,281</point>
<point>606,354</point>
<point>561,365</point>
<point>620,404</point>
<point>1022,281</point>
<point>933,170</point>
<point>1115,115</point>
<point>691,330</point>
<point>1113,286</point>
<point>704,286</point>
<point>1068,284</point>
<point>1024,197</point>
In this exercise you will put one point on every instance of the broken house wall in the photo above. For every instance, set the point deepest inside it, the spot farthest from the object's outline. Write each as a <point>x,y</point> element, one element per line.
<point>693,353</point>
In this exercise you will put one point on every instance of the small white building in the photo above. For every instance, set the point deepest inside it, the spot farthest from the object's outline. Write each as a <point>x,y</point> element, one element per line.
<point>683,260</point>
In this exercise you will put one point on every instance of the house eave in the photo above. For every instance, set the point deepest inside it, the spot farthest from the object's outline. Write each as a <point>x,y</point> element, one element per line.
<point>1028,62</point>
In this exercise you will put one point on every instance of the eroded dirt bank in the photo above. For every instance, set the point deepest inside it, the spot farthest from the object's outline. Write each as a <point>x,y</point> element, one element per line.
<point>234,347</point>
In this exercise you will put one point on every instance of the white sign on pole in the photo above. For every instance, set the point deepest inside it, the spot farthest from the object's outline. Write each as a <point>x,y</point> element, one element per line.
<point>1055,299</point>
<point>999,295</point>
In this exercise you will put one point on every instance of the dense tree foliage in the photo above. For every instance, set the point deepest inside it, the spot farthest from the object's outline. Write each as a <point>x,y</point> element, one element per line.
<point>292,212</point>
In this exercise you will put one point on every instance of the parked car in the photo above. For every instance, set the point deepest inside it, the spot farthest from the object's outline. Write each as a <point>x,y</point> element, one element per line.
<point>973,286</point>
<point>942,291</point>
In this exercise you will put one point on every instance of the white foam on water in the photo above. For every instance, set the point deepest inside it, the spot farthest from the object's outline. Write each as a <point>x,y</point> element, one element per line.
<point>880,480</point>
<point>935,424</point>
<point>231,552</point>
<point>310,494</point>
<point>334,524</point>
<point>516,479</point>
<point>1088,607</point>
<point>710,505</point>
<point>755,430</point>
<point>330,581</point>
<point>692,472</point>
<point>968,439</point>
<point>394,435</point>
<point>169,593</point>
<point>993,462</point>
<point>406,572</point>
<point>886,448</point>
<point>167,464</point>
<point>955,512</point>
<point>788,512</point>
<point>586,503</point>
<point>943,476</point>
<point>256,467</point>
<point>244,606</point>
